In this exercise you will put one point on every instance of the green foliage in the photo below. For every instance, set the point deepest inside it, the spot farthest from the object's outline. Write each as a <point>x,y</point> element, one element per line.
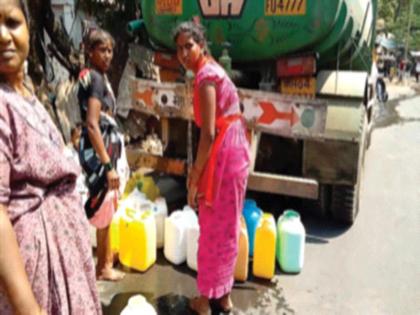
<point>396,16</point>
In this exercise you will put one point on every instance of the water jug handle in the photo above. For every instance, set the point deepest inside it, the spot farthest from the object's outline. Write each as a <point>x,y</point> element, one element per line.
<point>130,212</point>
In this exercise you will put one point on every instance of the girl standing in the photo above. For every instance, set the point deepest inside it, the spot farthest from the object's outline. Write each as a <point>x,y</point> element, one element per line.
<point>100,146</point>
<point>218,178</point>
<point>46,266</point>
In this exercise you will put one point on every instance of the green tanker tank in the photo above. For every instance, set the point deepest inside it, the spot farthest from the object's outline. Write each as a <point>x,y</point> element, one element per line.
<point>267,29</point>
<point>307,147</point>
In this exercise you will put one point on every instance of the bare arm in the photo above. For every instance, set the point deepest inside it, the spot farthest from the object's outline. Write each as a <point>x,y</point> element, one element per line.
<point>95,136</point>
<point>12,272</point>
<point>207,96</point>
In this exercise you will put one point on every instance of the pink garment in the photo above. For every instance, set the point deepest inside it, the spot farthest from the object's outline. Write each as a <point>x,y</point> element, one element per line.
<point>103,217</point>
<point>220,222</point>
<point>37,186</point>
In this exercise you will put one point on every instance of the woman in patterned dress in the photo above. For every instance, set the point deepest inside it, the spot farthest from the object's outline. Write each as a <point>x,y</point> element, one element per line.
<point>217,181</point>
<point>46,264</point>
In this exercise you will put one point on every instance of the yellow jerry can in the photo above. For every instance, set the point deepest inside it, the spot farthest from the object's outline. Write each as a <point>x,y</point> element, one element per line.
<point>241,268</point>
<point>114,232</point>
<point>265,248</point>
<point>137,239</point>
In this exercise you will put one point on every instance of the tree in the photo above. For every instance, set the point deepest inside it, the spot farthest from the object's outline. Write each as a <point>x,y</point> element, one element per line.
<point>396,16</point>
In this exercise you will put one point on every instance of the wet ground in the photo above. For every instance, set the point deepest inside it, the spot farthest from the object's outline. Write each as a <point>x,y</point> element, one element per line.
<point>369,268</point>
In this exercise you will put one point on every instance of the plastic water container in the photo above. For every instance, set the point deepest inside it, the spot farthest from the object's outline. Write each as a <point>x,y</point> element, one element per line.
<point>137,239</point>
<point>138,305</point>
<point>161,212</point>
<point>252,216</point>
<point>190,214</point>
<point>291,244</point>
<point>264,262</point>
<point>114,231</point>
<point>192,246</point>
<point>176,228</point>
<point>148,186</point>
<point>242,262</point>
<point>134,200</point>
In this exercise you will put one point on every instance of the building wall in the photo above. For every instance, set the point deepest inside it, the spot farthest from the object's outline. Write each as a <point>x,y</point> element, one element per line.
<point>64,11</point>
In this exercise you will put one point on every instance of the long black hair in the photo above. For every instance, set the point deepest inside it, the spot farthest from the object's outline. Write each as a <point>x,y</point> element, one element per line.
<point>197,32</point>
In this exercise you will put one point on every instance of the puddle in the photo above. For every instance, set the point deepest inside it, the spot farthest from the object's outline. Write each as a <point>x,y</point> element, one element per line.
<point>269,302</point>
<point>173,305</point>
<point>386,114</point>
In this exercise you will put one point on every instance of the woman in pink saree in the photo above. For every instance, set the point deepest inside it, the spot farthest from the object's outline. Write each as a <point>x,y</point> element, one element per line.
<point>218,178</point>
<point>46,264</point>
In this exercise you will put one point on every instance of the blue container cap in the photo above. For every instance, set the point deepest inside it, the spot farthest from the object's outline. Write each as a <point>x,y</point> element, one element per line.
<point>250,203</point>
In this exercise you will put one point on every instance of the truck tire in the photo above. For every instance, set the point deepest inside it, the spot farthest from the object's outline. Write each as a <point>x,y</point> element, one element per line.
<point>320,207</point>
<point>345,198</point>
<point>345,203</point>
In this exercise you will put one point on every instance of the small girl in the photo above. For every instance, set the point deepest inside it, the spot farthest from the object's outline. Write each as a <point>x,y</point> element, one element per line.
<point>218,179</point>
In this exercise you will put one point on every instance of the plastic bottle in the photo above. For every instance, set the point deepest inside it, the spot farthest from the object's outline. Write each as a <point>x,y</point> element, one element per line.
<point>138,239</point>
<point>192,246</point>
<point>264,263</point>
<point>242,262</point>
<point>252,215</point>
<point>291,245</point>
<point>161,212</point>
<point>138,305</point>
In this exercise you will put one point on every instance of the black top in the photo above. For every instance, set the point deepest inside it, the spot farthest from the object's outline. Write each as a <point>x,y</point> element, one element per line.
<point>94,84</point>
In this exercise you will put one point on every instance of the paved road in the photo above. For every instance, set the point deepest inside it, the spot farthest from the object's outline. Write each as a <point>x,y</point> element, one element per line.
<point>371,268</point>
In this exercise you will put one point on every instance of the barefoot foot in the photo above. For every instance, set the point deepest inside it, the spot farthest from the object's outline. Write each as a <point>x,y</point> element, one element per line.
<point>200,305</point>
<point>226,303</point>
<point>110,275</point>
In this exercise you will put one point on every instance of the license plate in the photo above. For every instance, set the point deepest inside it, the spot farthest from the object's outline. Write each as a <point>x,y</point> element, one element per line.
<point>285,7</point>
<point>170,7</point>
<point>298,86</point>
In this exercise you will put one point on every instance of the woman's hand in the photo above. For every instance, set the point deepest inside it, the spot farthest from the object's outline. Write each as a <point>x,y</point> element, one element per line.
<point>192,196</point>
<point>193,177</point>
<point>113,180</point>
<point>192,183</point>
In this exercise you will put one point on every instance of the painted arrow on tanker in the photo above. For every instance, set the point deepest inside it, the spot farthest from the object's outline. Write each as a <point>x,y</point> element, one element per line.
<point>146,97</point>
<point>270,114</point>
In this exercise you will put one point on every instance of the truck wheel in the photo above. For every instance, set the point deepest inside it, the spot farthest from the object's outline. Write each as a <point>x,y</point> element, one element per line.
<point>344,203</point>
<point>320,207</point>
<point>345,198</point>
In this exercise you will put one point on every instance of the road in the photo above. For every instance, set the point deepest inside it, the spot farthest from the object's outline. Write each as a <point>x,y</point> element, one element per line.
<point>370,268</point>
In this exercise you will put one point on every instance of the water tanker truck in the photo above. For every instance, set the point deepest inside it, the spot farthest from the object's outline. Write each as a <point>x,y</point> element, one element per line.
<point>301,67</point>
